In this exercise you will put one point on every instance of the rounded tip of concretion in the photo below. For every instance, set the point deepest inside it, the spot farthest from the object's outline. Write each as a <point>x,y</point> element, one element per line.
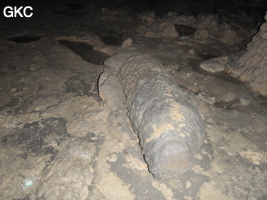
<point>170,160</point>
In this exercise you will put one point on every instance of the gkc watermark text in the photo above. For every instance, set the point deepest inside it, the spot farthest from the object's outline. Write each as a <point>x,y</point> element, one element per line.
<point>15,11</point>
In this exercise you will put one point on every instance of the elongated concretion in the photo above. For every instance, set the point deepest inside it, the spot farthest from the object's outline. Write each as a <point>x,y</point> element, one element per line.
<point>170,129</point>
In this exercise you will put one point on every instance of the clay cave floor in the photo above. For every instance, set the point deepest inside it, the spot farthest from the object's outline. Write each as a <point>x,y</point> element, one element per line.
<point>53,124</point>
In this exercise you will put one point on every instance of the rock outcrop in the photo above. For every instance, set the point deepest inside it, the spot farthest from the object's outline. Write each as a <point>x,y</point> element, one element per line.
<point>170,129</point>
<point>252,65</point>
<point>71,169</point>
<point>249,67</point>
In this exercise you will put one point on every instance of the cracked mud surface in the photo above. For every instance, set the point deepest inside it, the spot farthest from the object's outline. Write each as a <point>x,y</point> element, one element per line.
<point>54,127</point>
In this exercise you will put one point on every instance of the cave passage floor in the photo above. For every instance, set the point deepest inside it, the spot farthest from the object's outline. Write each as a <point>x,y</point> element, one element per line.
<point>54,130</point>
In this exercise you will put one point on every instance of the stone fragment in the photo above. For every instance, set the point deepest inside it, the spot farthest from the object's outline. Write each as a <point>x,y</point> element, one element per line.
<point>214,65</point>
<point>201,34</point>
<point>164,29</point>
<point>126,43</point>
<point>147,18</point>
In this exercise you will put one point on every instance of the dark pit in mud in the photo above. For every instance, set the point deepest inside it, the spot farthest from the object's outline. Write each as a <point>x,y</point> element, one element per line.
<point>111,38</point>
<point>185,30</point>
<point>24,38</point>
<point>85,51</point>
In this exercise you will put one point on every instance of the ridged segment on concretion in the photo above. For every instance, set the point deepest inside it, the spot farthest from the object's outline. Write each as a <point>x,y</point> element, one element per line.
<point>170,129</point>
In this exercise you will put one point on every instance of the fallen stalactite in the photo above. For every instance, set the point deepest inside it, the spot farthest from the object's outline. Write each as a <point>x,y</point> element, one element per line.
<point>170,129</point>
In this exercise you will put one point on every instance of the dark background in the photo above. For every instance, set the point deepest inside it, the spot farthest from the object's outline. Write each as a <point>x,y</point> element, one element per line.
<point>247,13</point>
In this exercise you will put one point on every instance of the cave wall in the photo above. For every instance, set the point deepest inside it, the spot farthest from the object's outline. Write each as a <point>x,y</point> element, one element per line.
<point>254,61</point>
